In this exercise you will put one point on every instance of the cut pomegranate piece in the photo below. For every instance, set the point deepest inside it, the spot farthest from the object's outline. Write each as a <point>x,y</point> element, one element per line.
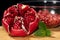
<point>20,20</point>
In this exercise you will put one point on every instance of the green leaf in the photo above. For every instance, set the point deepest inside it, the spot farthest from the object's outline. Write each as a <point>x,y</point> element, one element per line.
<point>42,30</point>
<point>42,25</point>
<point>48,32</point>
<point>41,33</point>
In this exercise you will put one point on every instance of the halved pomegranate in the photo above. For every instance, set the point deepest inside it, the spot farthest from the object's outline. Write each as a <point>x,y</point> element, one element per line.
<point>20,20</point>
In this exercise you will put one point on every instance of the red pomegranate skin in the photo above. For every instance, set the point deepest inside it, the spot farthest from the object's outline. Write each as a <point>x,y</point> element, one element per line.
<point>51,20</point>
<point>20,20</point>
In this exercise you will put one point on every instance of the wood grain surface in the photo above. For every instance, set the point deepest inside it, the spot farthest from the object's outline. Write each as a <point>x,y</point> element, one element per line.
<point>55,35</point>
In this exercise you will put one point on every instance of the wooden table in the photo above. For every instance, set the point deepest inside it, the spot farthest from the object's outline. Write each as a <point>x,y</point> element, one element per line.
<point>55,35</point>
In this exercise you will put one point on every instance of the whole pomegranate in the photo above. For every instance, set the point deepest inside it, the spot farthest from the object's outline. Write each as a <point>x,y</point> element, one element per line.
<point>51,20</point>
<point>20,20</point>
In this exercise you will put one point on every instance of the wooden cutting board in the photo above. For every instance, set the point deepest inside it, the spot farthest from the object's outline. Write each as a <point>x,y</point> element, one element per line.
<point>55,35</point>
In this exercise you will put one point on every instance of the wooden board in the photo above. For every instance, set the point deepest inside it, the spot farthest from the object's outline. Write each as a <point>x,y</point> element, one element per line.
<point>55,35</point>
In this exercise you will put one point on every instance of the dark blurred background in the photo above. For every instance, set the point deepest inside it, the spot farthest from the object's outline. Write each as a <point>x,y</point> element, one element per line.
<point>4,4</point>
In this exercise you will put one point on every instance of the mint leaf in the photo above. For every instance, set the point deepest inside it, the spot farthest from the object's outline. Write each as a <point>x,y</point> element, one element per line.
<point>42,25</point>
<point>48,32</point>
<point>42,30</point>
<point>41,33</point>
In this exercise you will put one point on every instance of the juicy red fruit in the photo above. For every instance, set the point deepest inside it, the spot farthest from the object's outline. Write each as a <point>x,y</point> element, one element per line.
<point>20,20</point>
<point>51,20</point>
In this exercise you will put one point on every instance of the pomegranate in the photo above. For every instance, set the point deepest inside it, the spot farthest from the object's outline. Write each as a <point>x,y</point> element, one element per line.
<point>20,20</point>
<point>51,20</point>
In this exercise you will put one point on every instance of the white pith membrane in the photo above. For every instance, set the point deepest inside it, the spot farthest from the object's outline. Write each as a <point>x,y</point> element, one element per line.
<point>22,27</point>
<point>23,6</point>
